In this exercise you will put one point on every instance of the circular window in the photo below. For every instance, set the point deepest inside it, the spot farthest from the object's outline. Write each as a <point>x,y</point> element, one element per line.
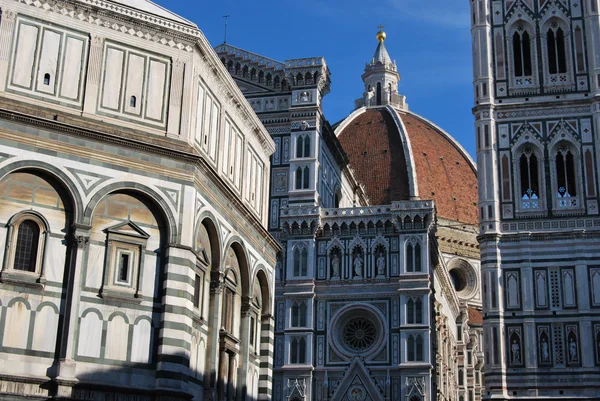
<point>464,278</point>
<point>458,279</point>
<point>359,334</point>
<point>357,329</point>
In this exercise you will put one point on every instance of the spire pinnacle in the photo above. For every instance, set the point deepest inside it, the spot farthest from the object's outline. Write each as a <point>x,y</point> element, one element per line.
<point>381,35</point>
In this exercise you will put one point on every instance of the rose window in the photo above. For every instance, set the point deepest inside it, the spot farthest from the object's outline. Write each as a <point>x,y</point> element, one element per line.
<point>359,334</point>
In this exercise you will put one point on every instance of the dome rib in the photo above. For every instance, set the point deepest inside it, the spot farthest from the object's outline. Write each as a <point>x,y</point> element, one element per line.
<point>427,161</point>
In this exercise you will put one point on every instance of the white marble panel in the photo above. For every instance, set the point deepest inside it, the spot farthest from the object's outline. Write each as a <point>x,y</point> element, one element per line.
<point>141,350</point>
<point>48,63</point>
<point>71,81</point>
<point>136,66</point>
<point>155,101</point>
<point>25,56</point>
<point>90,336</point>
<point>113,78</point>
<point>117,336</point>
<point>45,329</point>
<point>16,326</point>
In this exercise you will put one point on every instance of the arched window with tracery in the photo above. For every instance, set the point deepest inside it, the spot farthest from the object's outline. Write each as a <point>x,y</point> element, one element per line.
<point>413,257</point>
<point>414,311</point>
<point>414,348</point>
<point>521,44</point>
<point>298,314</point>
<point>566,178</point>
<point>303,146</point>
<point>555,46</point>
<point>529,180</point>
<point>300,265</point>
<point>302,177</point>
<point>298,350</point>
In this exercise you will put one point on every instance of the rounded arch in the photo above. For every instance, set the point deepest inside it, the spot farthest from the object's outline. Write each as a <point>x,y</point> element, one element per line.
<point>92,310</point>
<point>23,213</point>
<point>146,192</point>
<point>266,291</point>
<point>69,188</point>
<point>238,247</point>
<point>146,318</point>
<point>19,299</point>
<point>209,221</point>
<point>464,277</point>
<point>118,313</point>
<point>47,304</point>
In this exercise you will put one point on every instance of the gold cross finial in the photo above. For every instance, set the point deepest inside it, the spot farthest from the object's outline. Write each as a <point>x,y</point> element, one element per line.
<point>380,27</point>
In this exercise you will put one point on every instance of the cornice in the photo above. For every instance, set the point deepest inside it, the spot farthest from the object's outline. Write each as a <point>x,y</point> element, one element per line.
<point>123,19</point>
<point>234,94</point>
<point>184,154</point>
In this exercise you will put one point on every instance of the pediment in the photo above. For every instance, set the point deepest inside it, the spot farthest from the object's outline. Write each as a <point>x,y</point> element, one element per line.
<point>357,385</point>
<point>128,228</point>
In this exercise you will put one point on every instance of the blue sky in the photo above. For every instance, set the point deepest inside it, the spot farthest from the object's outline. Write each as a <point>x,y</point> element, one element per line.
<point>429,39</point>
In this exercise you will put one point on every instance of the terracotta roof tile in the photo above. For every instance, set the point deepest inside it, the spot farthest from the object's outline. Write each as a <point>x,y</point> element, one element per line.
<point>376,156</point>
<point>475,316</point>
<point>372,143</point>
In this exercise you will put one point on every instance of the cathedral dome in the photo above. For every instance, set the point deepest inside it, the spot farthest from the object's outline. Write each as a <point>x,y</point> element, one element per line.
<point>399,155</point>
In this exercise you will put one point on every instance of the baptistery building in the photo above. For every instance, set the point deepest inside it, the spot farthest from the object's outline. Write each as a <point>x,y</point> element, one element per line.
<point>136,263</point>
<point>377,284</point>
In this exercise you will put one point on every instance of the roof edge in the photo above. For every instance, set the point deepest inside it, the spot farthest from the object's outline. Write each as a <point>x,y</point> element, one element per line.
<point>344,123</point>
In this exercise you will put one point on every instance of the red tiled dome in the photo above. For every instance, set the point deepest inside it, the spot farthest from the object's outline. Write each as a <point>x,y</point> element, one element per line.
<point>378,141</point>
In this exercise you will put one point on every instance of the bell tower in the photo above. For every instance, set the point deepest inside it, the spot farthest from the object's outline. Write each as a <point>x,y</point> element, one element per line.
<point>381,79</point>
<point>536,74</point>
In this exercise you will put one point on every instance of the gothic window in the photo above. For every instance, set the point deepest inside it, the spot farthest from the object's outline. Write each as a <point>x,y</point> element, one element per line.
<point>566,178</point>
<point>378,93</point>
<point>300,263</point>
<point>529,180</point>
<point>299,314</point>
<point>413,257</point>
<point>261,77</point>
<point>298,350</point>
<point>505,179</point>
<point>303,146</point>
<point>237,68</point>
<point>414,311</point>
<point>269,79</point>
<point>302,177</point>
<point>521,43</point>
<point>461,378</point>
<point>277,81</point>
<point>579,51</point>
<point>414,345</point>
<point>555,45</point>
<point>245,71</point>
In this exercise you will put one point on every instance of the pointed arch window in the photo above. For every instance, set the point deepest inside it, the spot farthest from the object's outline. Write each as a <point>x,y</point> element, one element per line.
<point>414,345</point>
<point>299,314</point>
<point>529,180</point>
<point>298,350</point>
<point>521,43</point>
<point>555,45</point>
<point>413,257</point>
<point>300,261</point>
<point>302,177</point>
<point>566,178</point>
<point>303,146</point>
<point>414,311</point>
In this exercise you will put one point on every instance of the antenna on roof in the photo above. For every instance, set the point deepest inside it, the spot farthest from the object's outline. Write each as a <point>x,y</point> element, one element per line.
<point>226,19</point>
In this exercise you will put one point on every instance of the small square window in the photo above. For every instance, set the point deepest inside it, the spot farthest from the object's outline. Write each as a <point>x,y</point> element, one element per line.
<point>126,244</point>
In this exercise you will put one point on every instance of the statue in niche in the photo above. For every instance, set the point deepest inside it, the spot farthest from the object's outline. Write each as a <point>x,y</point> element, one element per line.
<point>358,265</point>
<point>304,97</point>
<point>381,264</point>
<point>545,350</point>
<point>270,105</point>
<point>335,266</point>
<point>516,352</point>
<point>572,349</point>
